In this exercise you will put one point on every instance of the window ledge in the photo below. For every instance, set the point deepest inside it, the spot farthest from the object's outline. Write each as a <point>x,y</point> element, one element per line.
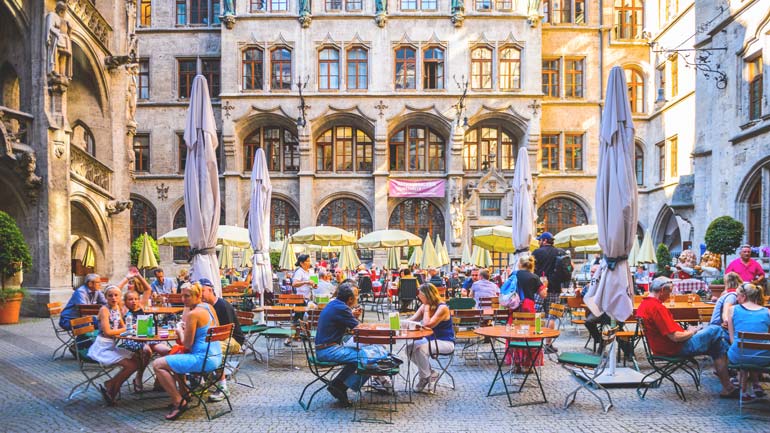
<point>749,124</point>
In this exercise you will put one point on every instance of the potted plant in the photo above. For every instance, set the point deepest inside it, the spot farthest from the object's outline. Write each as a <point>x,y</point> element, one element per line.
<point>14,256</point>
<point>663,256</point>
<point>723,236</point>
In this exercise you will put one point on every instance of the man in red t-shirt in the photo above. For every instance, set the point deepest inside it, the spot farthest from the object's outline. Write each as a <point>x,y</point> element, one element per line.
<point>749,269</point>
<point>667,338</point>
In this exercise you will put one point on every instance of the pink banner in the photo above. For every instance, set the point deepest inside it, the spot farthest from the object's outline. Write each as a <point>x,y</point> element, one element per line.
<point>416,188</point>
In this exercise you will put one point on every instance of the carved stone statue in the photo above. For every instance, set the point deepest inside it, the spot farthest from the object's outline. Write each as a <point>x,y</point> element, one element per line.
<point>381,14</point>
<point>28,165</point>
<point>58,43</point>
<point>533,12</point>
<point>458,12</point>
<point>305,14</point>
<point>457,219</point>
<point>229,9</point>
<point>132,93</point>
<point>114,207</point>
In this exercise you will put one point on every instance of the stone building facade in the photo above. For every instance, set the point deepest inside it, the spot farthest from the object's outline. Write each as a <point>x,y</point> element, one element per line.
<point>65,130</point>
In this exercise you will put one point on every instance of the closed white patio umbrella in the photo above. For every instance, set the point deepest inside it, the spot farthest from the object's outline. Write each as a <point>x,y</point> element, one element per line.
<point>259,226</point>
<point>523,217</point>
<point>288,257</point>
<point>201,185</point>
<point>416,257</point>
<point>616,203</point>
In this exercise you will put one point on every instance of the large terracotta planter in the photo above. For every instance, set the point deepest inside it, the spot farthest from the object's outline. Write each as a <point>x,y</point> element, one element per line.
<point>9,310</point>
<point>716,289</point>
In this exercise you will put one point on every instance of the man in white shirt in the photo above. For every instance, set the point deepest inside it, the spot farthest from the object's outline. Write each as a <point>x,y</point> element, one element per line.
<point>325,287</point>
<point>483,288</point>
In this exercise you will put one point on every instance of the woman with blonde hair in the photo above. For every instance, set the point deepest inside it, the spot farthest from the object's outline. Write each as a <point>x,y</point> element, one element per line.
<point>726,301</point>
<point>196,320</point>
<point>748,316</point>
<point>434,314</point>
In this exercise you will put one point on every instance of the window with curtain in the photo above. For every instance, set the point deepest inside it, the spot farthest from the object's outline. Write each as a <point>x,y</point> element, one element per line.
<point>406,68</point>
<point>510,68</point>
<point>561,213</point>
<point>629,19</point>
<point>145,13</point>
<point>344,149</point>
<point>280,145</point>
<point>481,68</point>
<point>329,69</point>
<point>280,69</point>
<point>417,148</point>
<point>487,145</point>
<point>419,217</point>
<point>143,218</point>
<point>433,68</point>
<point>358,69</point>
<point>252,67</point>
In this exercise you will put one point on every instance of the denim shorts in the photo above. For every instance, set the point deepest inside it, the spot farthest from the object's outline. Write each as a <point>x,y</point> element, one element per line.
<point>711,341</point>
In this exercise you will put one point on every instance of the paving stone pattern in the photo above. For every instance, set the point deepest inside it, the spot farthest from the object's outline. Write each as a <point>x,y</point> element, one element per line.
<point>33,388</point>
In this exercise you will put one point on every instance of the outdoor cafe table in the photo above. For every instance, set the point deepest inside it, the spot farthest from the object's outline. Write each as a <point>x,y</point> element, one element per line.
<point>145,340</point>
<point>503,333</point>
<point>405,335</point>
<point>294,308</point>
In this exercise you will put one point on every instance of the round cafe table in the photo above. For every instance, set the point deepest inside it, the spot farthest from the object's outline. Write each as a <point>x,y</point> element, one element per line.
<point>536,339</point>
<point>404,335</point>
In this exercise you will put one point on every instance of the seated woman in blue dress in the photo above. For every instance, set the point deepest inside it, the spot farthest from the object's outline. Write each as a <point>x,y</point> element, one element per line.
<point>196,320</point>
<point>748,316</point>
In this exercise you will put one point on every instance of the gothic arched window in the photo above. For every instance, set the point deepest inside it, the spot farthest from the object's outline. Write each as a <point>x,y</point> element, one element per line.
<point>561,213</point>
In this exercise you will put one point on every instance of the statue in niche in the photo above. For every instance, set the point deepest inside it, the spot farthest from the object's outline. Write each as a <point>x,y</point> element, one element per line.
<point>229,8</point>
<point>381,13</point>
<point>457,219</point>
<point>458,12</point>
<point>533,12</point>
<point>58,42</point>
<point>305,14</point>
<point>132,93</point>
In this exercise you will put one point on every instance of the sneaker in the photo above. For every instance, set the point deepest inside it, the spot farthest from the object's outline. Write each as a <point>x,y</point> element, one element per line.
<point>381,384</point>
<point>433,379</point>
<point>339,394</point>
<point>422,383</point>
<point>216,396</point>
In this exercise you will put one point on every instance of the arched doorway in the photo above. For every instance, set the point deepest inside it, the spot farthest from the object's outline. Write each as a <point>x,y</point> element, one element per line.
<point>86,243</point>
<point>348,214</point>
<point>753,207</point>
<point>667,232</point>
<point>560,213</point>
<point>284,219</point>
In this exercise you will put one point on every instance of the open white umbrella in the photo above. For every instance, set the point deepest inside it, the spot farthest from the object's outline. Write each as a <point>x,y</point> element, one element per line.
<point>387,239</point>
<point>226,235</point>
<point>201,184</point>
<point>466,257</point>
<point>416,257</point>
<point>429,256</point>
<point>288,257</point>
<point>616,203</point>
<point>633,256</point>
<point>259,226</point>
<point>324,236</point>
<point>394,257</point>
<point>646,251</point>
<point>523,217</point>
<point>443,255</point>
<point>348,258</point>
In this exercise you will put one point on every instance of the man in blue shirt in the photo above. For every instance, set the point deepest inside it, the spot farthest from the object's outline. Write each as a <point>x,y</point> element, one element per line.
<point>88,293</point>
<point>161,284</point>
<point>335,320</point>
<point>468,282</point>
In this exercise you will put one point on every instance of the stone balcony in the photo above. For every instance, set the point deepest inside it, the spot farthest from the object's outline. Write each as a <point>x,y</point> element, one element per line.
<point>88,171</point>
<point>14,126</point>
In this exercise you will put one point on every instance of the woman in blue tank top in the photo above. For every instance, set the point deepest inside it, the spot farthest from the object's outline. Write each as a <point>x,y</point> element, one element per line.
<point>748,316</point>
<point>434,314</point>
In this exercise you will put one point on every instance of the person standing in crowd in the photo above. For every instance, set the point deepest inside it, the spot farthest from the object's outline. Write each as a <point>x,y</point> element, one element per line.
<point>545,264</point>
<point>301,281</point>
<point>162,285</point>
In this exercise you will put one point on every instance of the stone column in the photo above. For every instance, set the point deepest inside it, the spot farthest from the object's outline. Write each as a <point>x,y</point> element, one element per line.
<point>306,170</point>
<point>381,216</point>
<point>455,207</point>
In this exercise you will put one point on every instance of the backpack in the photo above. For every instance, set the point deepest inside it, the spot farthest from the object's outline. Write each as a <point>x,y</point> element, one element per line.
<point>562,268</point>
<point>511,294</point>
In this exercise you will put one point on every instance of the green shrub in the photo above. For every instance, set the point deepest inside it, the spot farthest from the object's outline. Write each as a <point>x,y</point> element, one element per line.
<point>724,235</point>
<point>275,258</point>
<point>13,247</point>
<point>136,248</point>
<point>663,256</point>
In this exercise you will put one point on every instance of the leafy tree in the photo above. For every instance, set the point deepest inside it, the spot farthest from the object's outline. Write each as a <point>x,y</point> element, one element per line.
<point>663,256</point>
<point>275,258</point>
<point>136,248</point>
<point>724,235</point>
<point>13,247</point>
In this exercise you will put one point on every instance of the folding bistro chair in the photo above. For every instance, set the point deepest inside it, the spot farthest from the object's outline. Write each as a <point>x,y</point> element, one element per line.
<point>365,291</point>
<point>173,300</point>
<point>208,380</point>
<point>557,311</point>
<point>586,368</point>
<point>752,341</point>
<point>382,337</point>
<point>251,332</point>
<point>280,327</point>
<point>89,309</point>
<point>491,302</point>
<point>443,360</point>
<point>665,367</point>
<point>63,335</point>
<point>84,331</point>
<point>321,370</point>
<point>464,322</point>
<point>379,300</point>
<point>631,338</point>
<point>407,293</point>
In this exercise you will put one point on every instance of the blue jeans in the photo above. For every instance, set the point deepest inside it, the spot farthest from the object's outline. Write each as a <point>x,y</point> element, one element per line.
<point>349,357</point>
<point>711,341</point>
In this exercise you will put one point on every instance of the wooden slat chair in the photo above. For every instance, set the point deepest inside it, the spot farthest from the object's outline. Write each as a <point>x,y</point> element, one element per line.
<point>586,368</point>
<point>173,300</point>
<point>664,367</point>
<point>752,341</point>
<point>382,337</point>
<point>576,312</point>
<point>208,380</point>
<point>518,319</point>
<point>686,316</point>
<point>251,332</point>
<point>63,335</point>
<point>704,315</point>
<point>500,316</point>
<point>464,322</point>
<point>632,337</point>
<point>89,309</point>
<point>290,299</point>
<point>84,331</point>
<point>681,298</point>
<point>407,294</point>
<point>491,302</point>
<point>279,322</point>
<point>461,303</point>
<point>322,370</point>
<point>558,311</point>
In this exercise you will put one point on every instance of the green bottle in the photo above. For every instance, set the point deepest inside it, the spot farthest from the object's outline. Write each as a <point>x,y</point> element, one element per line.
<point>538,323</point>
<point>151,327</point>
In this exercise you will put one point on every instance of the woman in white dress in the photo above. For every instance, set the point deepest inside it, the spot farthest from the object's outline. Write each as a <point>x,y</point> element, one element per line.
<point>104,350</point>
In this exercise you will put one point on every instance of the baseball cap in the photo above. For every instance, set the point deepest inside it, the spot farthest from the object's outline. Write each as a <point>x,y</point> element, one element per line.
<point>658,283</point>
<point>545,235</point>
<point>205,282</point>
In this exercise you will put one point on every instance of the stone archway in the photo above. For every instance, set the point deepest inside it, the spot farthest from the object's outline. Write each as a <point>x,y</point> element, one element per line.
<point>83,227</point>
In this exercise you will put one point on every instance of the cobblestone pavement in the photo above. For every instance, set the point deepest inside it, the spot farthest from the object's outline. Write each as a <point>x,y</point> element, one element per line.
<point>33,388</point>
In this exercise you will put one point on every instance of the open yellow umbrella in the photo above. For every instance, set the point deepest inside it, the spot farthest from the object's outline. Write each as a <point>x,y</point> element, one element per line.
<point>578,236</point>
<point>590,249</point>
<point>348,258</point>
<point>466,257</point>
<point>226,235</point>
<point>288,258</point>
<point>394,257</point>
<point>416,257</point>
<point>324,236</point>
<point>495,238</point>
<point>226,257</point>
<point>441,251</point>
<point>429,257</point>
<point>146,255</point>
<point>89,259</point>
<point>387,239</point>
<point>646,251</point>
<point>634,254</point>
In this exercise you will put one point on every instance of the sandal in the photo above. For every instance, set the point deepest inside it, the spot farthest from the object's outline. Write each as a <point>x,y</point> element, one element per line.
<point>733,395</point>
<point>177,410</point>
<point>106,396</point>
<point>138,385</point>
